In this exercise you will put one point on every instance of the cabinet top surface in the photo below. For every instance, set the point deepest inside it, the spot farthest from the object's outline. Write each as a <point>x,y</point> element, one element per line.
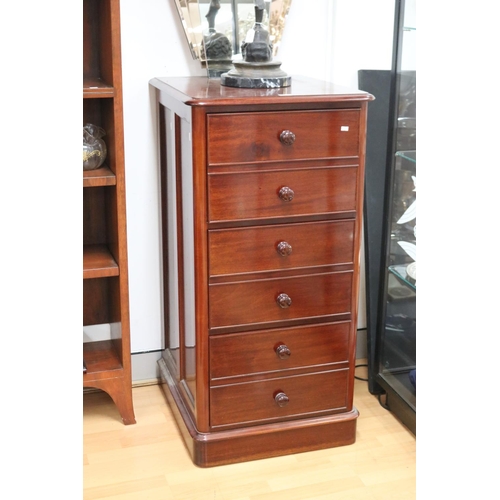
<point>201,91</point>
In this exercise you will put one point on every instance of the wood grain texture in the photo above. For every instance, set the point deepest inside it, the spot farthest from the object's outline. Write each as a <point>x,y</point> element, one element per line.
<point>253,195</point>
<point>98,262</point>
<point>102,176</point>
<point>264,440</point>
<point>245,250</point>
<point>243,354</point>
<point>254,402</point>
<point>304,93</point>
<point>254,302</point>
<point>105,261</point>
<point>255,137</point>
<point>150,460</point>
<point>243,180</point>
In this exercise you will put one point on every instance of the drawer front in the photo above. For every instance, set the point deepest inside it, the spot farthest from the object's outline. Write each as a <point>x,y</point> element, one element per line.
<point>278,247</point>
<point>284,193</point>
<point>280,299</point>
<point>278,349</point>
<point>253,401</point>
<point>255,137</point>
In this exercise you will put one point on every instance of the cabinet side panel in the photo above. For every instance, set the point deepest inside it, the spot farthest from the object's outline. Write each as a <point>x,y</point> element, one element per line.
<point>200,263</point>
<point>357,245</point>
<point>169,224</point>
<point>188,268</point>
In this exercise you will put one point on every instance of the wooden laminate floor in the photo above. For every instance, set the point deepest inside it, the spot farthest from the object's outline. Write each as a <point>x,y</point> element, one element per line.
<point>148,461</point>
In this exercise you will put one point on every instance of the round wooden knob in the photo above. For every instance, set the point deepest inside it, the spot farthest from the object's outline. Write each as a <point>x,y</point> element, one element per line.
<point>284,301</point>
<point>284,248</point>
<point>286,193</point>
<point>283,351</point>
<point>281,399</point>
<point>287,137</point>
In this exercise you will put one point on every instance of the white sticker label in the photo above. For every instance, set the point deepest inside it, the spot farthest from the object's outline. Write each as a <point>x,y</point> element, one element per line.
<point>250,36</point>
<point>344,128</point>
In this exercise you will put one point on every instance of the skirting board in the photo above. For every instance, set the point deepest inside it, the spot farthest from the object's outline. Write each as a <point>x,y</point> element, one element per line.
<point>145,368</point>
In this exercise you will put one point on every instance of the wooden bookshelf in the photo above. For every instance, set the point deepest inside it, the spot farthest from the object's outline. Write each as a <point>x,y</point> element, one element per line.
<point>107,364</point>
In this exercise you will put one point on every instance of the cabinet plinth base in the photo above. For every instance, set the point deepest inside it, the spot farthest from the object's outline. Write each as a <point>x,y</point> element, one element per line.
<point>257,442</point>
<point>401,408</point>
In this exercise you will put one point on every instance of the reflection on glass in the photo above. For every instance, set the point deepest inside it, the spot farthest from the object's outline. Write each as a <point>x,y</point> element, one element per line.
<point>277,16</point>
<point>231,18</point>
<point>398,359</point>
<point>398,356</point>
<point>217,36</point>
<point>398,362</point>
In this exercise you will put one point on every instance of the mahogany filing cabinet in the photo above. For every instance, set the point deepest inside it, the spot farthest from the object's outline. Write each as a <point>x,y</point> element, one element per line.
<point>261,203</point>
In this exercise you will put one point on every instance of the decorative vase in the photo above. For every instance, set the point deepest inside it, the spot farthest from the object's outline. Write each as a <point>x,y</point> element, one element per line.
<point>94,148</point>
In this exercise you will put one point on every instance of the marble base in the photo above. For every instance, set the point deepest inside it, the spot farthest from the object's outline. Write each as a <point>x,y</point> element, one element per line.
<point>256,75</point>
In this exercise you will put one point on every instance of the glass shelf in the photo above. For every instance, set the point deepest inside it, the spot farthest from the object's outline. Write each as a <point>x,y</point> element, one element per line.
<point>401,273</point>
<point>397,330</point>
<point>408,155</point>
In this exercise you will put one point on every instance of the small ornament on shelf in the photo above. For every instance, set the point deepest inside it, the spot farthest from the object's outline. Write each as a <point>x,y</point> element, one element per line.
<point>94,147</point>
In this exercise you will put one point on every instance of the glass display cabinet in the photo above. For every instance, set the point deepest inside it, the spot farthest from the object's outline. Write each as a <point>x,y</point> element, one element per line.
<point>397,319</point>
<point>390,224</point>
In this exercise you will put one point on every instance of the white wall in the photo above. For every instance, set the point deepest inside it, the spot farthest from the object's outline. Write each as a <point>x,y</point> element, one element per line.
<point>348,35</point>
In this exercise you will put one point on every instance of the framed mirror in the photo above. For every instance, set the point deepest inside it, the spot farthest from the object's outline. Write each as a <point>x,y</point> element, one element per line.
<point>230,20</point>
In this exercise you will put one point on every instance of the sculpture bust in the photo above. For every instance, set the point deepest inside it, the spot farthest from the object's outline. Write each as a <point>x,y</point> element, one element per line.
<point>212,12</point>
<point>260,48</point>
<point>256,69</point>
<point>218,50</point>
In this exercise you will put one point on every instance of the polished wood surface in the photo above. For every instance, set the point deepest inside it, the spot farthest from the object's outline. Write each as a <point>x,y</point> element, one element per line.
<point>97,294</point>
<point>255,302</point>
<point>304,92</point>
<point>150,460</point>
<point>274,176</point>
<point>105,261</point>
<point>98,262</point>
<point>255,352</point>
<point>255,195</point>
<point>251,403</point>
<point>102,176</point>
<point>255,137</point>
<point>259,249</point>
<point>243,443</point>
<point>101,356</point>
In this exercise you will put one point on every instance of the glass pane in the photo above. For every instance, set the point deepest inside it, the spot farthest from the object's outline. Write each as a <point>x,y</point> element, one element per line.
<point>398,357</point>
<point>398,347</point>
<point>189,14</point>
<point>215,29</point>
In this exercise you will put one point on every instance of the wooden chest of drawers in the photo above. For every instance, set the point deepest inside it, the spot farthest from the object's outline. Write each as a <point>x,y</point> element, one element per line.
<point>261,217</point>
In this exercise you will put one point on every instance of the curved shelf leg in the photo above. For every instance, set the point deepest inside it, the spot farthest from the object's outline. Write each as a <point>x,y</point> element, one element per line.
<point>121,394</point>
<point>124,403</point>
